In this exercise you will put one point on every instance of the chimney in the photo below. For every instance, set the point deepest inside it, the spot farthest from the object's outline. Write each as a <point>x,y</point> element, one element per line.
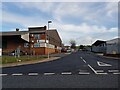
<point>17,29</point>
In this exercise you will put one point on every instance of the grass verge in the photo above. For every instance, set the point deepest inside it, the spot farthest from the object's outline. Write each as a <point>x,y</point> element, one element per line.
<point>12,59</point>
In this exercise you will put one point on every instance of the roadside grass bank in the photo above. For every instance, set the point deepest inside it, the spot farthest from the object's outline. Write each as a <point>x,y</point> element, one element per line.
<point>13,59</point>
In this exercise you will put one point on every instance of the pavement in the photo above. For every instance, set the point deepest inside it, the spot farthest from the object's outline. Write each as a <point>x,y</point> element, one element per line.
<point>76,70</point>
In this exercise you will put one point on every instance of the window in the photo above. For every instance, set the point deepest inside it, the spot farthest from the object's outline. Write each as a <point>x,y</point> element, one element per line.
<point>26,45</point>
<point>37,36</point>
<point>36,44</point>
<point>32,41</point>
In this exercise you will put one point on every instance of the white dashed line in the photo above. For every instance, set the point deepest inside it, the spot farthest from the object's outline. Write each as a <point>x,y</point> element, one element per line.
<point>102,73</point>
<point>49,73</point>
<point>99,70</point>
<point>17,74</point>
<point>113,70</point>
<point>116,73</point>
<point>84,73</point>
<point>3,74</point>
<point>33,74</point>
<point>66,73</point>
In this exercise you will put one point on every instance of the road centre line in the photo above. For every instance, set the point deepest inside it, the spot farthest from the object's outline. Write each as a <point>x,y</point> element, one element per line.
<point>32,74</point>
<point>117,73</point>
<point>84,73</point>
<point>113,70</point>
<point>17,74</point>
<point>49,73</point>
<point>66,73</point>
<point>3,74</point>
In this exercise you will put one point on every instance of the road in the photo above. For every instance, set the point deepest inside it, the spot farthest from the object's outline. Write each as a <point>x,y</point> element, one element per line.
<point>77,70</point>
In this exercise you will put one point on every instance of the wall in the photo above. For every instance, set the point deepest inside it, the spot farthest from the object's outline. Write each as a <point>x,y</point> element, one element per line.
<point>50,50</point>
<point>113,49</point>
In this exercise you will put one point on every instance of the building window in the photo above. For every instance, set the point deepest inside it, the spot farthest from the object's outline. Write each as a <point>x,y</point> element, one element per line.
<point>37,36</point>
<point>31,35</point>
<point>26,45</point>
<point>32,41</point>
<point>36,45</point>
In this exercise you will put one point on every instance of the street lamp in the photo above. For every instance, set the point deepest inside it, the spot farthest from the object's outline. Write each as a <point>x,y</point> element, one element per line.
<point>48,38</point>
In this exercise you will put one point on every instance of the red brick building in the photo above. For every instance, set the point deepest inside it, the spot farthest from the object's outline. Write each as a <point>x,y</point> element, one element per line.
<point>36,41</point>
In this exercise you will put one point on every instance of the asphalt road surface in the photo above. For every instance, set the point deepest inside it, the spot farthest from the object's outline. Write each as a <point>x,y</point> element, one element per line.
<point>77,70</point>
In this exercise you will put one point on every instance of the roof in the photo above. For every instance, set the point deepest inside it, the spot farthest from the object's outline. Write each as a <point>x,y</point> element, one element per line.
<point>98,42</point>
<point>54,34</point>
<point>13,33</point>
<point>116,40</point>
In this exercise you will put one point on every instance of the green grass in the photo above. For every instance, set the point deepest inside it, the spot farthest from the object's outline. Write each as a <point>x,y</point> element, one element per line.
<point>12,59</point>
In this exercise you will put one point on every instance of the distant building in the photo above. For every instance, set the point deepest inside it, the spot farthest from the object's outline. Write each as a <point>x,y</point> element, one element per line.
<point>34,41</point>
<point>113,46</point>
<point>99,46</point>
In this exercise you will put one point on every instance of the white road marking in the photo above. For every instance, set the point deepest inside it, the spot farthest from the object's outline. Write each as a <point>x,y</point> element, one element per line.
<point>81,57</point>
<point>33,74</point>
<point>95,70</point>
<point>17,74</point>
<point>117,73</point>
<point>83,60</point>
<point>103,64</point>
<point>49,73</point>
<point>99,70</point>
<point>3,74</point>
<point>102,73</point>
<point>66,73</point>
<point>92,68</point>
<point>84,73</point>
<point>113,70</point>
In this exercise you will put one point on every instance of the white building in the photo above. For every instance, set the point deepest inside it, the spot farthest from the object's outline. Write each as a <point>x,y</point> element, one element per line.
<point>99,46</point>
<point>113,46</point>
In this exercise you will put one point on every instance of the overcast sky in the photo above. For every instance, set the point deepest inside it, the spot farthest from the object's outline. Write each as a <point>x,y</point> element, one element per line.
<point>82,21</point>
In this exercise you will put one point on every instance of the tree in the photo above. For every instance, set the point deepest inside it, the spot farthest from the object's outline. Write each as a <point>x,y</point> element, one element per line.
<point>81,47</point>
<point>73,43</point>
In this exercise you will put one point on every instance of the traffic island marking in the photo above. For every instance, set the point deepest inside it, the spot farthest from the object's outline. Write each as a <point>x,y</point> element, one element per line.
<point>103,64</point>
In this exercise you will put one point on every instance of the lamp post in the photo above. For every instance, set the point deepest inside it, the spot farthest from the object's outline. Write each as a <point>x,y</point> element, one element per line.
<point>48,38</point>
